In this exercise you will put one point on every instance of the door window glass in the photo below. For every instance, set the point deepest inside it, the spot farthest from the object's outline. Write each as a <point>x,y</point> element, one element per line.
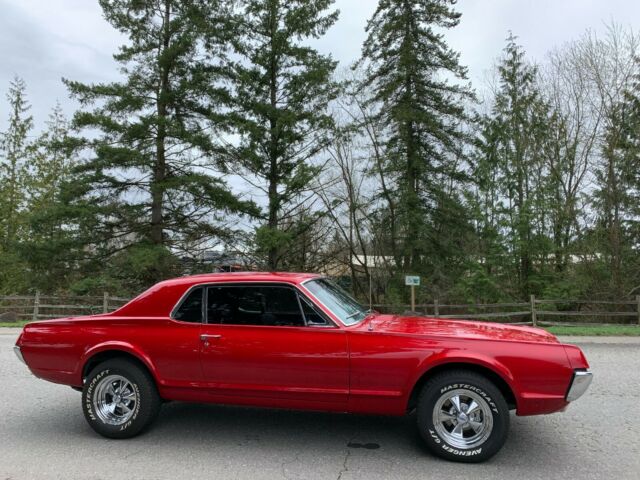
<point>253,305</point>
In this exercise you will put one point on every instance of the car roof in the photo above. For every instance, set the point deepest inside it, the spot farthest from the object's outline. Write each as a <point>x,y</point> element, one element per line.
<point>160,299</point>
<point>289,277</point>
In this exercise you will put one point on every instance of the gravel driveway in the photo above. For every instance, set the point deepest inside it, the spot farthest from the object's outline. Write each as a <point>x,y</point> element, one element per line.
<point>43,435</point>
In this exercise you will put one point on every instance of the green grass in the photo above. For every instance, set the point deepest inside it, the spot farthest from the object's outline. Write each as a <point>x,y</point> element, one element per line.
<point>604,331</point>
<point>14,324</point>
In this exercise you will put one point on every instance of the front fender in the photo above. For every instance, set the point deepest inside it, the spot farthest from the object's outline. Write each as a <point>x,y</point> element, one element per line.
<point>460,357</point>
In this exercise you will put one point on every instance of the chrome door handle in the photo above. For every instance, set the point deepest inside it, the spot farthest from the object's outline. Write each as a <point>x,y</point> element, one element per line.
<point>205,338</point>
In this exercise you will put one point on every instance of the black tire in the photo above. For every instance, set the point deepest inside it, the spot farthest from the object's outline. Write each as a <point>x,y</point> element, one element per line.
<point>491,417</point>
<point>141,390</point>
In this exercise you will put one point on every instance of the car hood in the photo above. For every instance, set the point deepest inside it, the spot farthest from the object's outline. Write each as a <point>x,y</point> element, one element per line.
<point>414,325</point>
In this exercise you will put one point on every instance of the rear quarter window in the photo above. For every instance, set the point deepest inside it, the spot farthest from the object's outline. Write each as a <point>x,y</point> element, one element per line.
<point>191,308</point>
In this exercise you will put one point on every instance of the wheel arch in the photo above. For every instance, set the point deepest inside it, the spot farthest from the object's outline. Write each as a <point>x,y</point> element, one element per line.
<point>497,379</point>
<point>108,352</point>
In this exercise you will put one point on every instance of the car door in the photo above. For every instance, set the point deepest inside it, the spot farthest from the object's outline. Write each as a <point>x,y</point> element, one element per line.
<point>173,344</point>
<point>266,344</point>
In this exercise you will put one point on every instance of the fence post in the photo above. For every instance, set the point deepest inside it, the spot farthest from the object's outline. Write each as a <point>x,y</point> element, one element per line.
<point>436,308</point>
<point>36,306</point>
<point>105,302</point>
<point>534,316</point>
<point>638,302</point>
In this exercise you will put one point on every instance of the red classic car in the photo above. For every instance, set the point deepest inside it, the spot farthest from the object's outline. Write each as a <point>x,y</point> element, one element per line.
<point>299,341</point>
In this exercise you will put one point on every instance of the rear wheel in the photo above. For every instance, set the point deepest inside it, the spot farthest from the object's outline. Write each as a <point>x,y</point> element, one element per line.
<point>462,416</point>
<point>119,399</point>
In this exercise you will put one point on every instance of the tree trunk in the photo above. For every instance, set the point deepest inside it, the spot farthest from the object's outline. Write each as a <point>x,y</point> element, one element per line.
<point>274,197</point>
<point>614,227</point>
<point>160,166</point>
<point>412,206</point>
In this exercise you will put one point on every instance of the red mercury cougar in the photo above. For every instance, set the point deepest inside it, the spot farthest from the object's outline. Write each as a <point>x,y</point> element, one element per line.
<point>298,341</point>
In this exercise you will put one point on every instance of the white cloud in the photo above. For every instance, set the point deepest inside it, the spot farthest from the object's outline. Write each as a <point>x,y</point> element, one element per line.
<point>45,40</point>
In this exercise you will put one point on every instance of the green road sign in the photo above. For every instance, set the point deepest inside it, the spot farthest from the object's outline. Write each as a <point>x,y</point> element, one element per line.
<point>412,281</point>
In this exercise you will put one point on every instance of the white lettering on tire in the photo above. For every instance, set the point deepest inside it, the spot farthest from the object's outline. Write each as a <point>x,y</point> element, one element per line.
<point>88,402</point>
<point>463,453</point>
<point>136,411</point>
<point>441,442</point>
<point>477,390</point>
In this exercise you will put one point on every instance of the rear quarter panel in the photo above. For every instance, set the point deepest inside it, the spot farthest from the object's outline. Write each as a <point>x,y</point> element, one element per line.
<point>57,351</point>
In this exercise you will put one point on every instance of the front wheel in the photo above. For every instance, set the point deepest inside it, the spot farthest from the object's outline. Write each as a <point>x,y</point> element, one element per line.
<point>462,416</point>
<point>119,399</point>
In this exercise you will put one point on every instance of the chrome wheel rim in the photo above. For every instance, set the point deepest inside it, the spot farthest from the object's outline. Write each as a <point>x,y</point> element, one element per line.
<point>463,419</point>
<point>115,400</point>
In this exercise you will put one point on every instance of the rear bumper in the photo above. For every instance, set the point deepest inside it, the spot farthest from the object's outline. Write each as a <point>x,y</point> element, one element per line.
<point>18,352</point>
<point>541,404</point>
<point>579,385</point>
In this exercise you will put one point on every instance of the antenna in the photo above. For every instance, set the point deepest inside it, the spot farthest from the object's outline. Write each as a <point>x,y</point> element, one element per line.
<point>370,292</point>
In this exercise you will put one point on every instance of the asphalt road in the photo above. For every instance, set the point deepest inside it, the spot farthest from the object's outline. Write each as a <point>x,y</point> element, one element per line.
<point>43,435</point>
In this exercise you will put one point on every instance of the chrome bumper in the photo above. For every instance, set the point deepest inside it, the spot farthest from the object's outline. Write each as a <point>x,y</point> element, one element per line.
<point>18,353</point>
<point>579,384</point>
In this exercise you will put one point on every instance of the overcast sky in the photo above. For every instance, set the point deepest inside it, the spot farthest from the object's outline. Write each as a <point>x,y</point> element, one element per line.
<point>45,40</point>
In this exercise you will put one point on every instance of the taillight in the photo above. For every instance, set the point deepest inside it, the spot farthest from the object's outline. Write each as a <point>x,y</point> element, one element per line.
<point>577,360</point>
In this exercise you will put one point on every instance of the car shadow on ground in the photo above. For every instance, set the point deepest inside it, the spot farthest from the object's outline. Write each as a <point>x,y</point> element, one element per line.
<point>275,434</point>
<point>282,427</point>
<point>287,430</point>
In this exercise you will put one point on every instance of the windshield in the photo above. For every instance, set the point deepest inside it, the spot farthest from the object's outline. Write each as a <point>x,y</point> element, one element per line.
<point>341,304</point>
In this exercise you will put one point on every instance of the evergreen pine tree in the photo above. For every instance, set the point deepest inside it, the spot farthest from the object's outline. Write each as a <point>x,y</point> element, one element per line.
<point>146,189</point>
<point>47,246</point>
<point>510,167</point>
<point>52,161</point>
<point>15,151</point>
<point>282,90</point>
<point>409,67</point>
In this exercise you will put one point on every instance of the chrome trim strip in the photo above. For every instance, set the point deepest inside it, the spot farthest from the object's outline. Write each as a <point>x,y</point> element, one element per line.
<point>579,384</point>
<point>181,300</point>
<point>212,284</point>
<point>243,283</point>
<point>18,353</point>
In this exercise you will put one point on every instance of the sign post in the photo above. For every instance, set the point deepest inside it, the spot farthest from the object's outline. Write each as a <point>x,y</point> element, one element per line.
<point>413,282</point>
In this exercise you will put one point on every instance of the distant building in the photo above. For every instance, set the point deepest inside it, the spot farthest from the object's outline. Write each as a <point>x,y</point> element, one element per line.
<point>227,262</point>
<point>336,268</point>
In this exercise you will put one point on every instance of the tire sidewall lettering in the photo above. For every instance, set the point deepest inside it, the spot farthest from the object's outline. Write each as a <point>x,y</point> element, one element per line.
<point>462,453</point>
<point>137,409</point>
<point>89,395</point>
<point>472,388</point>
<point>441,442</point>
<point>454,451</point>
<point>90,391</point>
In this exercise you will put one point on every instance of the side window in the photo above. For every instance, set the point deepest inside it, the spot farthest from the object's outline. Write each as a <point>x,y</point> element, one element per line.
<point>191,308</point>
<point>311,314</point>
<point>234,306</point>
<point>283,307</point>
<point>253,305</point>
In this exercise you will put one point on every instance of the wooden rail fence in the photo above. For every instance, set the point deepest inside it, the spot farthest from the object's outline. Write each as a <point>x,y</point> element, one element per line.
<point>40,307</point>
<point>536,312</point>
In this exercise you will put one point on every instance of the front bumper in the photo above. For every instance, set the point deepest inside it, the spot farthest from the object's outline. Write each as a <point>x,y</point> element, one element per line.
<point>18,353</point>
<point>579,384</point>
